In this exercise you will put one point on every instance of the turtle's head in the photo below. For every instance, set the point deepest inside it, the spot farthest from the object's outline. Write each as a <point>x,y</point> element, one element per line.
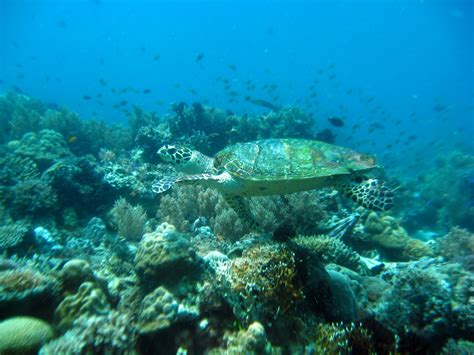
<point>184,159</point>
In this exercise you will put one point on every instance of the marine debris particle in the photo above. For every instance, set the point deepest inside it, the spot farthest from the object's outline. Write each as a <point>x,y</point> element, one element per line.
<point>335,121</point>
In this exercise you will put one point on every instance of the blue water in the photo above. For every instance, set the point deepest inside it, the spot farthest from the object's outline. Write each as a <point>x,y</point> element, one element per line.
<point>406,66</point>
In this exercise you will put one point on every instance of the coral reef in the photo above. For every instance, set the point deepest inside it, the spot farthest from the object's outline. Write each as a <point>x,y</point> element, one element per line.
<point>88,300</point>
<point>77,208</point>
<point>443,195</point>
<point>44,147</point>
<point>330,250</point>
<point>12,234</point>
<point>457,245</point>
<point>268,294</point>
<point>417,305</point>
<point>388,237</point>
<point>24,335</point>
<point>252,340</point>
<point>109,333</point>
<point>164,256</point>
<point>160,310</point>
<point>26,291</point>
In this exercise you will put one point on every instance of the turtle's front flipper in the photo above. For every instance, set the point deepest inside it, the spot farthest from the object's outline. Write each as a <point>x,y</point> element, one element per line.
<point>240,206</point>
<point>164,184</point>
<point>167,183</point>
<point>369,193</point>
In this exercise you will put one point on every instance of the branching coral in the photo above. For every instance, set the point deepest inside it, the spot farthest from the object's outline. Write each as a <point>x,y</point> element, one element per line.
<point>12,234</point>
<point>330,250</point>
<point>457,244</point>
<point>263,283</point>
<point>129,220</point>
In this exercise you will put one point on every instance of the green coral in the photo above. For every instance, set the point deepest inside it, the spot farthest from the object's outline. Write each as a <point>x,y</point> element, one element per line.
<point>23,335</point>
<point>88,300</point>
<point>159,310</point>
<point>330,250</point>
<point>252,340</point>
<point>386,235</point>
<point>289,122</point>
<point>44,147</point>
<point>164,256</point>
<point>456,244</point>
<point>12,234</point>
<point>263,283</point>
<point>26,290</point>
<point>110,333</point>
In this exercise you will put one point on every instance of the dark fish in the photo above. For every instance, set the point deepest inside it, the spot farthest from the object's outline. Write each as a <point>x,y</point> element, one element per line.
<point>86,97</point>
<point>439,107</point>
<point>264,103</point>
<point>62,24</point>
<point>232,67</point>
<point>146,91</point>
<point>102,82</point>
<point>156,57</point>
<point>326,135</point>
<point>199,57</point>
<point>123,102</point>
<point>336,122</point>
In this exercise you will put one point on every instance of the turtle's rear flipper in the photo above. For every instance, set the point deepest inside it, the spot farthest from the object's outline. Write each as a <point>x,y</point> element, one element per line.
<point>369,193</point>
<point>240,206</point>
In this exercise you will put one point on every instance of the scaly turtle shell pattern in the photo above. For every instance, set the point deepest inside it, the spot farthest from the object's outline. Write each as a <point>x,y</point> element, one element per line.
<point>289,159</point>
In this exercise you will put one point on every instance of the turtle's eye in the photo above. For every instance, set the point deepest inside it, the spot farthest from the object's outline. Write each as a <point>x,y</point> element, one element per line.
<point>171,151</point>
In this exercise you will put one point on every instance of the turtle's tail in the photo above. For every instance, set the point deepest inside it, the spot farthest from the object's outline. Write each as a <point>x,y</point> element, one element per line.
<point>368,192</point>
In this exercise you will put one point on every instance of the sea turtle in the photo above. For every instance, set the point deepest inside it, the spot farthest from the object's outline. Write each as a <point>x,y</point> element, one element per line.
<point>277,167</point>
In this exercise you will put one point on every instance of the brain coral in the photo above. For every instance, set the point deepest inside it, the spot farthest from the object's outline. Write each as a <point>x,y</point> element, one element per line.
<point>27,291</point>
<point>88,300</point>
<point>163,256</point>
<point>23,335</point>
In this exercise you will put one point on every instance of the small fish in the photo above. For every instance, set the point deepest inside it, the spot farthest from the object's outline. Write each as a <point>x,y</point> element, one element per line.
<point>199,57</point>
<point>146,91</point>
<point>72,139</point>
<point>232,67</point>
<point>336,122</point>
<point>156,57</point>
<point>123,102</point>
<point>102,82</point>
<point>264,103</point>
<point>439,107</point>
<point>86,97</point>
